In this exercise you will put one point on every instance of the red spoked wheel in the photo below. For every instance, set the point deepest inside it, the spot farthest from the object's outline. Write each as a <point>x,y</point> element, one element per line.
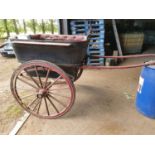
<point>43,89</point>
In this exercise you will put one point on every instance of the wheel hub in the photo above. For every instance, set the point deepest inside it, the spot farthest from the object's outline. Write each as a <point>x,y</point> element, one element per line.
<point>42,92</point>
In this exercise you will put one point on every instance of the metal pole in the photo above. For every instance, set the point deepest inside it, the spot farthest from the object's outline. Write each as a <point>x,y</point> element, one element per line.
<point>117,37</point>
<point>65,26</point>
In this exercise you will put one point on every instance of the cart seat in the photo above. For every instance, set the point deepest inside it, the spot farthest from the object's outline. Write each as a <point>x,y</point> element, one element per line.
<point>68,38</point>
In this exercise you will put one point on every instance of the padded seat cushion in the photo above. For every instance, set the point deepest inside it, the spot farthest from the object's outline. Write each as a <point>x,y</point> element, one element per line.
<point>68,38</point>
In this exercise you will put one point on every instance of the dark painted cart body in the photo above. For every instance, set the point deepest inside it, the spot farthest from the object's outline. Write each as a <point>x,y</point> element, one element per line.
<point>50,65</point>
<point>66,51</point>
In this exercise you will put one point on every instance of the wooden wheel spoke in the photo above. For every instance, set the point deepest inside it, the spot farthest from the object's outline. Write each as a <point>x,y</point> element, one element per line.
<point>59,95</point>
<point>46,106</point>
<point>60,83</point>
<point>39,106</point>
<point>58,101</point>
<point>24,77</point>
<point>27,78</point>
<point>25,89</point>
<point>27,83</point>
<point>30,104</point>
<point>32,78</point>
<point>46,77</point>
<point>26,96</point>
<point>47,84</point>
<point>53,105</point>
<point>54,82</point>
<point>38,76</point>
<point>58,89</point>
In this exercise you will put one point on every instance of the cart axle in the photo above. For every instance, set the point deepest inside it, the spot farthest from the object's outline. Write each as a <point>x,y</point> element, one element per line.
<point>42,93</point>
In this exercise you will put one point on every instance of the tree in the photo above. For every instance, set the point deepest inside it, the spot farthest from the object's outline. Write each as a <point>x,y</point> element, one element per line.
<point>14,26</point>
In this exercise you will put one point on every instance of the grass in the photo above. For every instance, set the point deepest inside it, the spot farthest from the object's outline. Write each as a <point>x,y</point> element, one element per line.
<point>13,111</point>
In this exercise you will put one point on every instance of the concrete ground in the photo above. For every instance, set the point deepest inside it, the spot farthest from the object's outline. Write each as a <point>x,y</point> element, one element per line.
<point>105,104</point>
<point>9,110</point>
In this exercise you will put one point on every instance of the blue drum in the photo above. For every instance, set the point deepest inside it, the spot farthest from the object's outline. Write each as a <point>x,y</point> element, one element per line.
<point>145,100</point>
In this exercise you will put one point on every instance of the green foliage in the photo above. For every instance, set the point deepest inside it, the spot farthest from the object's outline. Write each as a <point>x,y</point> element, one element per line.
<point>29,26</point>
<point>2,28</point>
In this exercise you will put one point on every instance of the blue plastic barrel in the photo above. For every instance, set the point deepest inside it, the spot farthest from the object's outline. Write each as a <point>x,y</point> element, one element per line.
<point>145,100</point>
